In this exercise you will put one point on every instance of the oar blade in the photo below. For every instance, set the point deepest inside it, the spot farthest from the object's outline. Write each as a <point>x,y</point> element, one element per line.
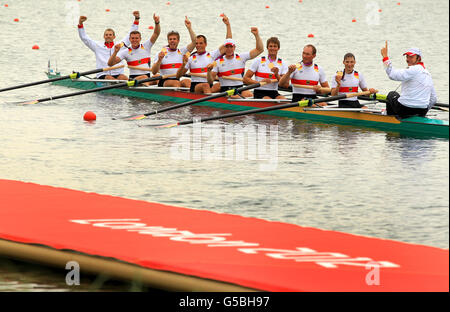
<point>28,102</point>
<point>171,125</point>
<point>135,117</point>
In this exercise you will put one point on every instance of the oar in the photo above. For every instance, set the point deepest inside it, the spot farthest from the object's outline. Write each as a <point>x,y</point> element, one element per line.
<point>302,103</point>
<point>139,68</point>
<point>214,96</point>
<point>71,76</point>
<point>131,83</point>
<point>383,98</point>
<point>325,90</point>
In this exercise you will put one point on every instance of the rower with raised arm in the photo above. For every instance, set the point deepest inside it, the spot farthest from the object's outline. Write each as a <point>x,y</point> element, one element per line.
<point>199,60</point>
<point>137,55</point>
<point>267,68</point>
<point>307,74</point>
<point>170,58</point>
<point>349,81</point>
<point>104,50</point>
<point>418,94</point>
<point>230,67</point>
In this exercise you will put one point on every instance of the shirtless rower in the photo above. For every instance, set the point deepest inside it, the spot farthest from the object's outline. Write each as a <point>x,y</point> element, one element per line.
<point>103,50</point>
<point>230,67</point>
<point>418,94</point>
<point>170,58</point>
<point>199,60</point>
<point>349,81</point>
<point>305,73</point>
<point>266,68</point>
<point>137,55</point>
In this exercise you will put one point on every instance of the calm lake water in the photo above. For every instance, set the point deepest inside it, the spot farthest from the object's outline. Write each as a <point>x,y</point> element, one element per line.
<point>331,177</point>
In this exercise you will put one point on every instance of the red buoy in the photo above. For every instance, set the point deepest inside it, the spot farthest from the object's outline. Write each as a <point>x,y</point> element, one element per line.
<point>16,20</point>
<point>6,5</point>
<point>310,36</point>
<point>35,47</point>
<point>107,10</point>
<point>89,116</point>
<point>353,20</point>
<point>150,27</point>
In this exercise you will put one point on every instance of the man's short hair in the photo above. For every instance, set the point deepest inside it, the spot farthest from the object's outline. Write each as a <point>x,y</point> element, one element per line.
<point>135,32</point>
<point>348,55</point>
<point>204,38</point>
<point>109,29</point>
<point>314,50</point>
<point>273,40</point>
<point>173,33</point>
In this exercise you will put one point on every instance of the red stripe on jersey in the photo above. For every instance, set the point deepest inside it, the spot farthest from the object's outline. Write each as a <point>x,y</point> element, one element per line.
<point>169,66</point>
<point>139,62</point>
<point>199,70</point>
<point>265,75</point>
<point>232,72</point>
<point>348,89</point>
<point>305,82</point>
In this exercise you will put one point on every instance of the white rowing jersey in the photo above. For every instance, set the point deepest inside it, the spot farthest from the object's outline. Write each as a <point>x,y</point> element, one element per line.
<point>307,75</point>
<point>172,60</point>
<point>197,64</point>
<point>417,86</point>
<point>262,68</point>
<point>350,83</point>
<point>233,67</point>
<point>139,57</point>
<point>104,51</point>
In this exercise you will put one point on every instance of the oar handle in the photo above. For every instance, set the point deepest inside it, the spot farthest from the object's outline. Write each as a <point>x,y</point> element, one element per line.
<point>349,95</point>
<point>326,90</point>
<point>139,68</point>
<point>198,75</point>
<point>263,83</point>
<point>112,68</point>
<point>232,78</point>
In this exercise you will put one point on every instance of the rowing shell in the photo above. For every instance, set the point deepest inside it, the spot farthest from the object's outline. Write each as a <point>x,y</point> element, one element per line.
<point>417,126</point>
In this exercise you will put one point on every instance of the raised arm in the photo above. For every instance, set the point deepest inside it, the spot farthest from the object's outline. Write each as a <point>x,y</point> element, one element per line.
<point>229,35</point>
<point>91,44</point>
<point>157,29</point>
<point>395,74</point>
<point>191,45</point>
<point>134,26</point>
<point>259,44</point>
<point>226,21</point>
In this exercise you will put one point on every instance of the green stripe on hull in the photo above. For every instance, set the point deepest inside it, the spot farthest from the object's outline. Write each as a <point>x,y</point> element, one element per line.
<point>417,126</point>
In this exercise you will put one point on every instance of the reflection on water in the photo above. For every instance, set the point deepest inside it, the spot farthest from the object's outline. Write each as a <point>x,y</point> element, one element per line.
<point>336,177</point>
<point>16,276</point>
